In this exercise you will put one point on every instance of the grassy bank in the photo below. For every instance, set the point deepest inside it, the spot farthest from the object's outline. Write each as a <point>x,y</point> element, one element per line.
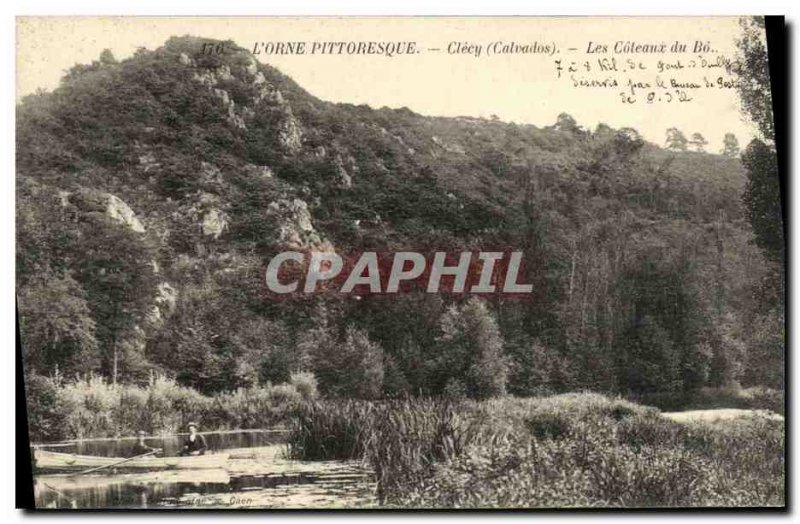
<point>564,451</point>
<point>717,398</point>
<point>93,408</point>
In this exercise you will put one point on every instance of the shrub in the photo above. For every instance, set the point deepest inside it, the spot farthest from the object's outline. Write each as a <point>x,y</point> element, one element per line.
<point>91,407</point>
<point>765,398</point>
<point>171,406</point>
<point>88,406</point>
<point>255,407</point>
<point>306,384</point>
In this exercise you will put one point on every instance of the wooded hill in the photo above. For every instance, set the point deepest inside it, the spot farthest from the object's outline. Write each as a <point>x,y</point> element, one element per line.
<point>151,191</point>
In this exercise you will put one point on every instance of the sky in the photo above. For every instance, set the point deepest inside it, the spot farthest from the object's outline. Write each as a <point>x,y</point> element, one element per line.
<point>523,88</point>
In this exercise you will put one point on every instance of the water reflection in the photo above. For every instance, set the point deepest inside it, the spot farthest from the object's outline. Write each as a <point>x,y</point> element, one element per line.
<point>256,477</point>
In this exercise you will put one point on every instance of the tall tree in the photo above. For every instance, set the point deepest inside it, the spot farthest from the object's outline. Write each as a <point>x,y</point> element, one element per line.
<point>118,276</point>
<point>762,198</point>
<point>676,140</point>
<point>566,123</point>
<point>752,67</point>
<point>698,142</point>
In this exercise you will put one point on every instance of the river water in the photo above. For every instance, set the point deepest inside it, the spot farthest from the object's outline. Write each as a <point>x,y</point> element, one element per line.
<point>257,476</point>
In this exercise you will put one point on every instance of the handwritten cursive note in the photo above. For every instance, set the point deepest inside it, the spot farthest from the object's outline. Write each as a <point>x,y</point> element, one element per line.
<point>646,73</point>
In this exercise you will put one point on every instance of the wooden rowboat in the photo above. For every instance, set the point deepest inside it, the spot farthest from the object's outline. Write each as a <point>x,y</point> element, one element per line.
<point>50,460</point>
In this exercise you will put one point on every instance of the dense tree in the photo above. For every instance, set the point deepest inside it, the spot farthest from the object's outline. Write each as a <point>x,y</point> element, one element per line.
<point>765,359</point>
<point>730,145</point>
<point>762,198</point>
<point>566,123</point>
<point>652,362</point>
<point>64,338</point>
<point>348,367</point>
<point>472,350</point>
<point>189,348</point>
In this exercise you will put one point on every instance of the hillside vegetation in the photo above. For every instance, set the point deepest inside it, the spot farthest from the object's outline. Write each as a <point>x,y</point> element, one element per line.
<point>151,191</point>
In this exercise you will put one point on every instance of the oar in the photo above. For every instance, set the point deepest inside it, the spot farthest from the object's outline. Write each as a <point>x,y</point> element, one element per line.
<point>114,464</point>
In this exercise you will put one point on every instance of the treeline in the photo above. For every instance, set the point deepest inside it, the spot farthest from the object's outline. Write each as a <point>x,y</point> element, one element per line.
<point>650,270</point>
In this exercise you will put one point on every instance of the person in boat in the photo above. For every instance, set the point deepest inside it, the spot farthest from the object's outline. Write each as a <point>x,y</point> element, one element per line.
<point>195,443</point>
<point>140,448</point>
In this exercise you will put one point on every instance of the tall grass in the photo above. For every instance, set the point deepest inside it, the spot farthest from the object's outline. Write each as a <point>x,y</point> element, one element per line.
<point>574,450</point>
<point>331,430</point>
<point>93,407</point>
<point>401,440</point>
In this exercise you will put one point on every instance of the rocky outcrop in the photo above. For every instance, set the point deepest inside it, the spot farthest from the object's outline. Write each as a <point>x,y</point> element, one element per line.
<point>166,296</point>
<point>449,147</point>
<point>121,212</point>
<point>252,67</point>
<point>295,229</point>
<point>266,92</point>
<point>210,78</point>
<point>215,223</point>
<point>263,172</point>
<point>290,133</point>
<point>148,161</point>
<point>63,198</point>
<point>165,301</point>
<point>210,174</point>
<point>230,107</point>
<point>98,202</point>
<point>208,212</point>
<point>345,168</point>
<point>207,78</point>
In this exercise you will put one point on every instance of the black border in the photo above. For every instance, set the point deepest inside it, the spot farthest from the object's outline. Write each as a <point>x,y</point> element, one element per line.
<point>778,50</point>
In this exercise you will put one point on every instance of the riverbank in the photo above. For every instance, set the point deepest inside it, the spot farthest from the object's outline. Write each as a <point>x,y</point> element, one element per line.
<point>569,450</point>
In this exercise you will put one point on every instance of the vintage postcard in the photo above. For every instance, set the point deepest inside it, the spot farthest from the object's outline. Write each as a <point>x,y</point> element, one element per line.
<point>400,263</point>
